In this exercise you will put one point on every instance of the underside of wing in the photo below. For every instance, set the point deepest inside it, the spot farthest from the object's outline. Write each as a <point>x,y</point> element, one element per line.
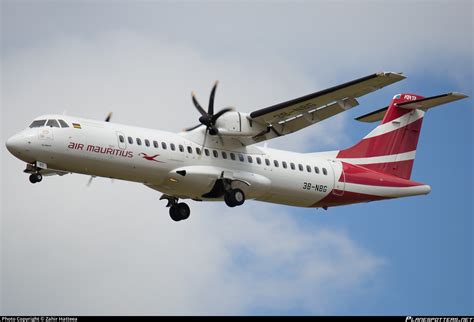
<point>291,116</point>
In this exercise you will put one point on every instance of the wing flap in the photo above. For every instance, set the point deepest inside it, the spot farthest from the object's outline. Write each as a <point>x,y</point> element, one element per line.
<point>352,89</point>
<point>296,114</point>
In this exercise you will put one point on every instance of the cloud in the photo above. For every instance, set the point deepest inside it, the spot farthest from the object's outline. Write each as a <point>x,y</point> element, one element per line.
<point>99,255</point>
<point>112,248</point>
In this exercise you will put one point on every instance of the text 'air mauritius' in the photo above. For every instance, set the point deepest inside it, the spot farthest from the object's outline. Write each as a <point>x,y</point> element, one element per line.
<point>100,149</point>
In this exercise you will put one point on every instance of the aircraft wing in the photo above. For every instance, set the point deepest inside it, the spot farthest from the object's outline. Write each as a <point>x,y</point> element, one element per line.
<point>296,114</point>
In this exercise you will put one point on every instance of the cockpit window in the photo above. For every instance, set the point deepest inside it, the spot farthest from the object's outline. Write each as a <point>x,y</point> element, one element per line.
<point>52,123</point>
<point>63,124</point>
<point>37,123</point>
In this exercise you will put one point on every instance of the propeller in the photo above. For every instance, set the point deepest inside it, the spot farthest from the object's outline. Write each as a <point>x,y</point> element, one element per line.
<point>208,119</point>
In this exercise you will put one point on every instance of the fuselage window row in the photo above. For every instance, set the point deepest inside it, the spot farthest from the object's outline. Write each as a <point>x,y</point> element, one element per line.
<point>232,155</point>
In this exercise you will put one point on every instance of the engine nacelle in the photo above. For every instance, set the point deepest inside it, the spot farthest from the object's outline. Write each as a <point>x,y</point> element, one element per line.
<point>238,124</point>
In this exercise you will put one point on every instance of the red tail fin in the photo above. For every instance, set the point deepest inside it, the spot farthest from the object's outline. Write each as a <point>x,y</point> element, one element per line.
<point>391,146</point>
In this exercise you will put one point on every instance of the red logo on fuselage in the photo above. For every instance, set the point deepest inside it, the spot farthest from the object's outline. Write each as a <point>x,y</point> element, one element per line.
<point>149,157</point>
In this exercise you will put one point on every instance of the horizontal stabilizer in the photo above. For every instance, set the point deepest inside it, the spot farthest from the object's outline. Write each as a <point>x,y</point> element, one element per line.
<point>433,101</point>
<point>373,116</point>
<point>422,104</point>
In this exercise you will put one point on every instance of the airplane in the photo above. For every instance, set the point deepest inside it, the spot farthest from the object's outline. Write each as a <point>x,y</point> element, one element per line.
<point>219,159</point>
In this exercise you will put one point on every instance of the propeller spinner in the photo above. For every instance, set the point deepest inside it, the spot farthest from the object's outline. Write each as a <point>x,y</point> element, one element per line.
<point>209,119</point>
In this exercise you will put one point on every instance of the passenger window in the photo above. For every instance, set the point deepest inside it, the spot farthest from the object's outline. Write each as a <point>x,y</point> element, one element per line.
<point>163,145</point>
<point>300,166</point>
<point>316,169</point>
<point>155,144</point>
<point>206,151</point>
<point>37,123</point>
<point>292,165</point>
<point>198,151</point>
<point>259,161</point>
<point>181,148</point>
<point>214,152</point>
<point>52,123</point>
<point>139,141</point>
<point>249,159</point>
<point>130,140</point>
<point>121,139</point>
<point>275,162</point>
<point>241,157</point>
<point>325,172</point>
<point>308,168</point>
<point>63,124</point>
<point>267,162</point>
<point>224,155</point>
<point>147,143</point>
<point>232,156</point>
<point>284,164</point>
<point>190,150</point>
<point>172,146</point>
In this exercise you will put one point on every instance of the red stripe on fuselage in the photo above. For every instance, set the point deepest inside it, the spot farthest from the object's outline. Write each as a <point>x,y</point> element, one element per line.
<point>404,139</point>
<point>346,199</point>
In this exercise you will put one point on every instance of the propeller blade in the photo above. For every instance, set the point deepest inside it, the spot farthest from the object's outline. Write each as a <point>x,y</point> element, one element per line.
<point>210,110</point>
<point>90,181</point>
<point>109,116</point>
<point>197,105</point>
<point>192,128</point>
<point>221,112</point>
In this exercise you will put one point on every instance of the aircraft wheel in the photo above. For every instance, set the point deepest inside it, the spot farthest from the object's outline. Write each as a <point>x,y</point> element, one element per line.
<point>174,213</point>
<point>234,197</point>
<point>180,211</point>
<point>183,210</point>
<point>35,177</point>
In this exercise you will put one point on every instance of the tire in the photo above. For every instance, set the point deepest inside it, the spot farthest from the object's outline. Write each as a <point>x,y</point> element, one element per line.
<point>39,177</point>
<point>183,210</point>
<point>228,200</point>
<point>234,197</point>
<point>174,214</point>
<point>33,178</point>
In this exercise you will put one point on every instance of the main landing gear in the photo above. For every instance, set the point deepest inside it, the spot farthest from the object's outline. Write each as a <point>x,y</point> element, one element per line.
<point>234,197</point>
<point>178,211</point>
<point>36,177</point>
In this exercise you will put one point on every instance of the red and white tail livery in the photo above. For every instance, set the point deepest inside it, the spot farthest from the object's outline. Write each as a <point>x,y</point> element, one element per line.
<point>218,159</point>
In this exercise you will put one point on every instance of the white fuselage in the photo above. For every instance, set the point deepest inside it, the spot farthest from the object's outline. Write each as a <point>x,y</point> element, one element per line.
<point>96,149</point>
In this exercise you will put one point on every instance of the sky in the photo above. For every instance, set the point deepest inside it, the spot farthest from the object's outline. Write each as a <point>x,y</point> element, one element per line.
<point>111,248</point>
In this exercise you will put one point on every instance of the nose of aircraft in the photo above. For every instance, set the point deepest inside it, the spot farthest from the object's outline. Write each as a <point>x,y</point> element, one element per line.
<point>15,143</point>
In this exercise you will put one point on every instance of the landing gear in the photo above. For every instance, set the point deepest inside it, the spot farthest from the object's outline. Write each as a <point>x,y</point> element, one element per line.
<point>36,177</point>
<point>178,211</point>
<point>234,197</point>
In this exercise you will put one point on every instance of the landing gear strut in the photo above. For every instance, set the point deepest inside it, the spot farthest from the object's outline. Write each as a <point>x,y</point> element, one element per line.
<point>178,211</point>
<point>36,177</point>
